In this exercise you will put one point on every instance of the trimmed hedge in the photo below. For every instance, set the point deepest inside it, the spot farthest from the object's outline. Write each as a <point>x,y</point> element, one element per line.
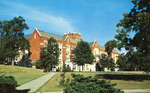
<point>124,77</point>
<point>7,84</point>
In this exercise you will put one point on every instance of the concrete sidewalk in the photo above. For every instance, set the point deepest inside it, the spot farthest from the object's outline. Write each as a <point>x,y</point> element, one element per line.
<point>137,91</point>
<point>34,85</point>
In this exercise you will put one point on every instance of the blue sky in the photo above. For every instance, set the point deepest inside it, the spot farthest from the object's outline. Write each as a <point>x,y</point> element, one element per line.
<point>94,19</point>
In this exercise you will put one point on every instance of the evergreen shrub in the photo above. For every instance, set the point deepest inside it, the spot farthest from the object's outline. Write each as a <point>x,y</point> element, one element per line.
<point>81,84</point>
<point>7,84</point>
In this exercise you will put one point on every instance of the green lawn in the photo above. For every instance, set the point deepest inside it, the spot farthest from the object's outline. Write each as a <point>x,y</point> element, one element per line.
<point>9,68</point>
<point>53,83</point>
<point>21,74</point>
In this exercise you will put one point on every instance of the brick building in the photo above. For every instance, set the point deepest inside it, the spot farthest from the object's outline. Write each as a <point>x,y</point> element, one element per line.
<point>66,43</point>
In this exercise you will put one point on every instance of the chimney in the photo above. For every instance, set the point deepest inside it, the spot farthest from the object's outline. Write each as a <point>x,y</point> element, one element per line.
<point>73,35</point>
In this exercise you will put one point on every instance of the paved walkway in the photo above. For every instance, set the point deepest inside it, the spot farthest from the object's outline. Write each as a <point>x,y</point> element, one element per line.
<point>137,91</point>
<point>37,83</point>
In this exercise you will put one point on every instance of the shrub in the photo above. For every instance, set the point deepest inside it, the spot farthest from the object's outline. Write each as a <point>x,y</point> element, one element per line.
<point>7,84</point>
<point>58,70</point>
<point>67,69</point>
<point>98,67</point>
<point>46,69</point>
<point>81,84</point>
<point>62,81</point>
<point>38,64</point>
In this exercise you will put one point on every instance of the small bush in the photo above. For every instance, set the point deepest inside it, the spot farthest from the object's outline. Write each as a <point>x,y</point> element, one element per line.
<point>58,70</point>
<point>67,69</point>
<point>38,64</point>
<point>62,81</point>
<point>46,69</point>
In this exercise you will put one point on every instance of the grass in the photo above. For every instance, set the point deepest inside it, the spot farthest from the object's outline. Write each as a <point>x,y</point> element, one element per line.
<point>53,83</point>
<point>21,74</point>
<point>9,68</point>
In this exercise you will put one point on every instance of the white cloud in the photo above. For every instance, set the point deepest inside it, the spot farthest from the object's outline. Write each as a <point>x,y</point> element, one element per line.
<point>52,22</point>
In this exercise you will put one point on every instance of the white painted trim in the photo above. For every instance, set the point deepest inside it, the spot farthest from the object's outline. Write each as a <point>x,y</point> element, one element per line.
<point>94,42</point>
<point>38,31</point>
<point>66,38</point>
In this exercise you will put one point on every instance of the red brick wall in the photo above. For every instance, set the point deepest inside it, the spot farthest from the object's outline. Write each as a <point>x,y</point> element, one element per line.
<point>35,45</point>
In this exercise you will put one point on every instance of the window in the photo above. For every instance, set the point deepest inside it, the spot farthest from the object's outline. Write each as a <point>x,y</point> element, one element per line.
<point>45,43</point>
<point>96,51</point>
<point>74,67</point>
<point>9,59</point>
<point>60,49</point>
<point>68,52</point>
<point>87,67</point>
<point>34,36</point>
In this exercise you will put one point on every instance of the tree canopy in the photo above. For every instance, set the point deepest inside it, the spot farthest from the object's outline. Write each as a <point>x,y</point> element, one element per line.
<point>50,54</point>
<point>106,62</point>
<point>133,34</point>
<point>82,54</point>
<point>109,46</point>
<point>137,44</point>
<point>12,37</point>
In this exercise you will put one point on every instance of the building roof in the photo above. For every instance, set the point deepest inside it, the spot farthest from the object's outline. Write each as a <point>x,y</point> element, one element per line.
<point>101,47</point>
<point>28,36</point>
<point>48,35</point>
<point>62,38</point>
<point>75,41</point>
<point>91,43</point>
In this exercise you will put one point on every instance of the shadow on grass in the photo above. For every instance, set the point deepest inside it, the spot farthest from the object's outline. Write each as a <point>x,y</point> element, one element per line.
<point>123,77</point>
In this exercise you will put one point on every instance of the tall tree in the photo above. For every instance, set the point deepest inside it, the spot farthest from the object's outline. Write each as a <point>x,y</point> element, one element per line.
<point>136,22</point>
<point>12,37</point>
<point>109,46</point>
<point>107,62</point>
<point>82,54</point>
<point>123,63</point>
<point>49,55</point>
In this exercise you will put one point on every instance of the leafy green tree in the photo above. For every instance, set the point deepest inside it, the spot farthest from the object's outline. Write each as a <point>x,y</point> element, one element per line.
<point>109,46</point>
<point>107,62</point>
<point>137,44</point>
<point>81,84</point>
<point>98,67</point>
<point>82,54</point>
<point>123,63</point>
<point>49,55</point>
<point>12,37</point>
